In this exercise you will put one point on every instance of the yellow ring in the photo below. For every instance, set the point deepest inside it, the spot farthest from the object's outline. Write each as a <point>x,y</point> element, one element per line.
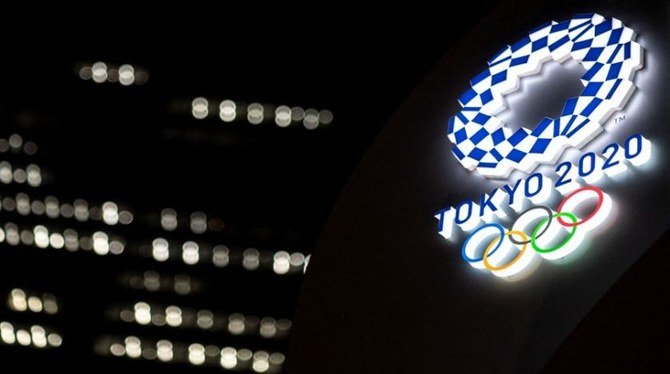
<point>488,265</point>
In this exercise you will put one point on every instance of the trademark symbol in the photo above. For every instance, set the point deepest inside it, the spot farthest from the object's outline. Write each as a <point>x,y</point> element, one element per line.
<point>619,119</point>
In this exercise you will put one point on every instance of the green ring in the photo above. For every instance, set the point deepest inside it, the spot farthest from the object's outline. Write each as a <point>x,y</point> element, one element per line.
<point>559,245</point>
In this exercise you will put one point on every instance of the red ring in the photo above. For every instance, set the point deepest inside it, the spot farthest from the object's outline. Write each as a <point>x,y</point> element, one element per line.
<point>585,188</point>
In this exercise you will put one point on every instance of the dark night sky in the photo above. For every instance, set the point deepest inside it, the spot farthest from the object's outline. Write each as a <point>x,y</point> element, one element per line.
<point>273,187</point>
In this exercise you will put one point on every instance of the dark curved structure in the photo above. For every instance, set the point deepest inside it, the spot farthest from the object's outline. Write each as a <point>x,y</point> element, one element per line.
<point>386,294</point>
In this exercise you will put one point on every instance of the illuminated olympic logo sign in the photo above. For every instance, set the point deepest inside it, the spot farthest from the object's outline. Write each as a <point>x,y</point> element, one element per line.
<point>481,142</point>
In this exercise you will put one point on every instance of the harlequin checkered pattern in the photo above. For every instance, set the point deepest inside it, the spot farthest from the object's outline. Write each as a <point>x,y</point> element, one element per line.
<point>603,46</point>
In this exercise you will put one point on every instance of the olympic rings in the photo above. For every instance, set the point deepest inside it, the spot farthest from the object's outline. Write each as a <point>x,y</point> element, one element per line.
<point>550,215</point>
<point>465,244</point>
<point>601,198</point>
<point>565,241</point>
<point>511,262</point>
<point>520,238</point>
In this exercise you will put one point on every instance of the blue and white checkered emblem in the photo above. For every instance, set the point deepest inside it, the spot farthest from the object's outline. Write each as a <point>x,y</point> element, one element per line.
<point>605,48</point>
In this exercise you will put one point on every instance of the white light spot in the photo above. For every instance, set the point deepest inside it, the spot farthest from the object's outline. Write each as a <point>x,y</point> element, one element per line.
<point>8,204</point>
<point>81,210</point>
<point>125,217</point>
<point>37,207</point>
<point>158,320</point>
<point>6,175</point>
<point>250,259</point>
<point>20,176</point>
<point>255,113</point>
<point>261,364</point>
<point>212,351</point>
<point>71,240</point>
<point>30,148</point>
<point>205,319</point>
<point>141,77</point>
<point>164,350</point>
<point>52,207</point>
<point>86,243</point>
<point>220,256</point>
<point>173,316</point>
<point>326,117</point>
<point>110,213</point>
<point>67,211</point>
<point>12,234</point>
<point>152,281</point>
<point>190,253</point>
<point>27,237</point>
<point>281,263</point>
<point>22,204</point>
<point>244,354</point>
<point>196,354</point>
<point>268,327</point>
<point>283,116</point>
<point>50,304</point>
<point>41,236</point>
<point>311,120</point>
<point>126,75</point>
<point>227,111</point>
<point>169,219</point>
<point>160,249</point>
<point>283,326</point>
<point>99,72</point>
<point>85,73</point>
<point>117,349</point>
<point>116,247</point>
<point>39,336</point>
<point>23,337</point>
<point>56,240</point>
<point>142,313</point>
<point>236,324</point>
<point>133,347</point>
<point>297,114</point>
<point>200,108</point>
<point>17,300</point>
<point>100,243</point>
<point>228,358</point>
<point>127,315</point>
<point>149,353</point>
<point>15,141</point>
<point>54,340</point>
<point>7,333</point>
<point>182,284</point>
<point>34,304</point>
<point>198,222</point>
<point>297,259</point>
<point>277,359</point>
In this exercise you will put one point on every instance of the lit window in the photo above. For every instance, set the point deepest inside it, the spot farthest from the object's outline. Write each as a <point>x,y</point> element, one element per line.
<point>99,70</point>
<point>227,111</point>
<point>200,108</point>
<point>255,113</point>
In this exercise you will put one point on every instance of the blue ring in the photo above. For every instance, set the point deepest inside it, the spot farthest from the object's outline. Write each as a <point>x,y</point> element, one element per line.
<point>467,240</point>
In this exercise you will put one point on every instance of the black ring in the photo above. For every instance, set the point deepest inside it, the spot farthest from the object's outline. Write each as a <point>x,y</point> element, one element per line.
<point>550,214</point>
